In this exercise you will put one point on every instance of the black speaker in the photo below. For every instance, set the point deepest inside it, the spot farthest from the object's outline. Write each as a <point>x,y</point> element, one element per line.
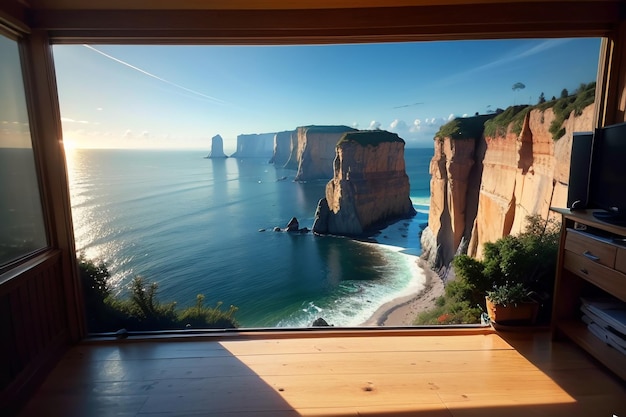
<point>579,170</point>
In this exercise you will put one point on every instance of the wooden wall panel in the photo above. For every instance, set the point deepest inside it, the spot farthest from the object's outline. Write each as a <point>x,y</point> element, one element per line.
<point>33,328</point>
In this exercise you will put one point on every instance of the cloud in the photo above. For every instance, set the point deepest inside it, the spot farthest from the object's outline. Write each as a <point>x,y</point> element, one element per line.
<point>398,124</point>
<point>128,134</point>
<point>451,117</point>
<point>156,77</point>
<point>68,120</point>
<point>145,134</point>
<point>374,125</point>
<point>355,125</point>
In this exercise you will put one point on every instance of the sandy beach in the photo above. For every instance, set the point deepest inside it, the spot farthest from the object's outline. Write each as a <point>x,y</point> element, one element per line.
<point>402,311</point>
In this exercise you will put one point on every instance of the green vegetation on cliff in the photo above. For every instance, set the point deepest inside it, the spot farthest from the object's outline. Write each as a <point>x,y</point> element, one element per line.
<point>370,137</point>
<point>141,310</point>
<point>513,117</point>
<point>328,129</point>
<point>465,127</point>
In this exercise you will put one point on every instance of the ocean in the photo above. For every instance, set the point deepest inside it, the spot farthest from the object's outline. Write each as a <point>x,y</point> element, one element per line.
<point>197,225</point>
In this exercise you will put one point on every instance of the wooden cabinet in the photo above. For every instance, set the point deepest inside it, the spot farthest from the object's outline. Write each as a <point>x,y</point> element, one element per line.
<point>592,262</point>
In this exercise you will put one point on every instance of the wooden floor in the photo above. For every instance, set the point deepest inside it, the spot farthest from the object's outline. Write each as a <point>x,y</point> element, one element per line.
<point>389,375</point>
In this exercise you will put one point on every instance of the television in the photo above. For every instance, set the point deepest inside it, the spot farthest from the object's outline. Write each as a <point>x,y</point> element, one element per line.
<point>607,176</point>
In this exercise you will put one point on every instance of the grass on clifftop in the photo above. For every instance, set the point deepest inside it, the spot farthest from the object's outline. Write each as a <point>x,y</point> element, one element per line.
<point>496,125</point>
<point>464,127</point>
<point>513,115</point>
<point>328,129</point>
<point>563,107</point>
<point>370,137</point>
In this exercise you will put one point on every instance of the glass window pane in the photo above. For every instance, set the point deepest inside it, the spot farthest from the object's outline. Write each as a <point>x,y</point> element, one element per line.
<point>22,229</point>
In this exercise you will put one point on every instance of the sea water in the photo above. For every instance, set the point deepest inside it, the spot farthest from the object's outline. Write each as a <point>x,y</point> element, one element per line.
<point>205,226</point>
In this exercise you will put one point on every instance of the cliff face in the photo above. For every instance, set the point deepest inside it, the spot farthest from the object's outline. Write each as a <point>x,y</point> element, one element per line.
<point>484,188</point>
<point>255,146</point>
<point>282,148</point>
<point>217,148</point>
<point>369,185</point>
<point>316,151</point>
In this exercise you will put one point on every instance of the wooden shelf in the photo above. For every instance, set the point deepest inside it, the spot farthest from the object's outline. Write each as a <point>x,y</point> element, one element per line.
<point>577,331</point>
<point>589,263</point>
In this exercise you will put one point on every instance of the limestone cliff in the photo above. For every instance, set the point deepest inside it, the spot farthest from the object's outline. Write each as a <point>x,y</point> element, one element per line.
<point>282,148</point>
<point>217,148</point>
<point>484,187</point>
<point>312,151</point>
<point>255,146</point>
<point>369,185</point>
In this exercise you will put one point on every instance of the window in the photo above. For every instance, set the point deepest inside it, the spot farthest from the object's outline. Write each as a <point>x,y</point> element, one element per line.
<point>22,229</point>
<point>147,202</point>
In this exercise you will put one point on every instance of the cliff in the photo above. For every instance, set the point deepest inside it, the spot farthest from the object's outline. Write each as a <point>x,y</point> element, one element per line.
<point>255,146</point>
<point>369,186</point>
<point>313,151</point>
<point>282,148</point>
<point>484,185</point>
<point>217,148</point>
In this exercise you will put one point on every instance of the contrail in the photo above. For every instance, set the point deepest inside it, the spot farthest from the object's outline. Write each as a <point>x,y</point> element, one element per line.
<point>408,105</point>
<point>214,99</point>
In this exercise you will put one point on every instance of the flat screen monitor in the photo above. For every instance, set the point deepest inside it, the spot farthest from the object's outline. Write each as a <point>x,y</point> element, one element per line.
<point>607,178</point>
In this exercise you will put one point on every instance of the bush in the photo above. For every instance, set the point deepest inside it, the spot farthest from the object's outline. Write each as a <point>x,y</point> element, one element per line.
<point>142,310</point>
<point>521,264</point>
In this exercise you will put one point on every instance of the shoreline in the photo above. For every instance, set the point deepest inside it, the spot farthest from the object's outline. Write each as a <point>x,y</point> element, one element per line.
<point>402,311</point>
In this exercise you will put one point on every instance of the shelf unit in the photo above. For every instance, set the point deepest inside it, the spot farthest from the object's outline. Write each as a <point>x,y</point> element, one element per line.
<point>592,261</point>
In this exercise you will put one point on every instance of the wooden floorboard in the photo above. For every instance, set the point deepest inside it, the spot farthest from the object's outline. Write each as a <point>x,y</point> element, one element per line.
<point>410,375</point>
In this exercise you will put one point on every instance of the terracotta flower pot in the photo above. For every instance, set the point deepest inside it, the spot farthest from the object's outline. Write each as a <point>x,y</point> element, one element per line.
<point>520,313</point>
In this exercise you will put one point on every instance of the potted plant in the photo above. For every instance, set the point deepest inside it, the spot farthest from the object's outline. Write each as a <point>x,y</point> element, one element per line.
<point>511,303</point>
<point>513,270</point>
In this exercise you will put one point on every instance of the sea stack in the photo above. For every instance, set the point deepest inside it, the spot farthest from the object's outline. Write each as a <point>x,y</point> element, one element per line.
<point>217,148</point>
<point>369,187</point>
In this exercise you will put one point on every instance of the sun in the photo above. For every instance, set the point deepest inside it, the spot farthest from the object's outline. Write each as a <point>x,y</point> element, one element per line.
<point>69,144</point>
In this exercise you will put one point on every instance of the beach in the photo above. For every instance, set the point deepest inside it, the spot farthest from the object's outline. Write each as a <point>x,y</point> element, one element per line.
<point>402,311</point>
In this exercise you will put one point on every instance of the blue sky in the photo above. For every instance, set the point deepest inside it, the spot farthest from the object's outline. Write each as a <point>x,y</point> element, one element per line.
<point>115,96</point>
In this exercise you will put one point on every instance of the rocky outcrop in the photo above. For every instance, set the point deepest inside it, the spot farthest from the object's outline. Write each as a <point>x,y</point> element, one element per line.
<point>370,185</point>
<point>485,187</point>
<point>217,148</point>
<point>255,146</point>
<point>282,148</point>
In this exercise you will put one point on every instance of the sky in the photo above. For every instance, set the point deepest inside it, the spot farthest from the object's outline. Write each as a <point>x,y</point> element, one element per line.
<point>122,96</point>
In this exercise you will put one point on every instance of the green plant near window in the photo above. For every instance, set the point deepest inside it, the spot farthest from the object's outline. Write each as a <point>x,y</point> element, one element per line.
<point>513,268</point>
<point>141,310</point>
<point>510,294</point>
<point>527,259</point>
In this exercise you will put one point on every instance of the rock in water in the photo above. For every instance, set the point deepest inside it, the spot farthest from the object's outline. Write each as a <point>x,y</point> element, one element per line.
<point>293,225</point>
<point>370,185</point>
<point>217,148</point>
<point>320,322</point>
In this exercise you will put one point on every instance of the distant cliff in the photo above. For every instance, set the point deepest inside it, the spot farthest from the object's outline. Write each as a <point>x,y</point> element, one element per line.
<point>255,146</point>
<point>488,174</point>
<point>217,148</point>
<point>312,150</point>
<point>282,148</point>
<point>369,185</point>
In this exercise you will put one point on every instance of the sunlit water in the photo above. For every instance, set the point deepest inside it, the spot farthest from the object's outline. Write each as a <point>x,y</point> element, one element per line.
<point>193,225</point>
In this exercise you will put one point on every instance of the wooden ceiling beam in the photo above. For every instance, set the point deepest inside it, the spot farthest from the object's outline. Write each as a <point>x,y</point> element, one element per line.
<point>528,19</point>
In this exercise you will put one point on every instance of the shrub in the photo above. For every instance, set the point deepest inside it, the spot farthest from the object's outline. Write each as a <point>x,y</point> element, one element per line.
<point>512,265</point>
<point>142,310</point>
